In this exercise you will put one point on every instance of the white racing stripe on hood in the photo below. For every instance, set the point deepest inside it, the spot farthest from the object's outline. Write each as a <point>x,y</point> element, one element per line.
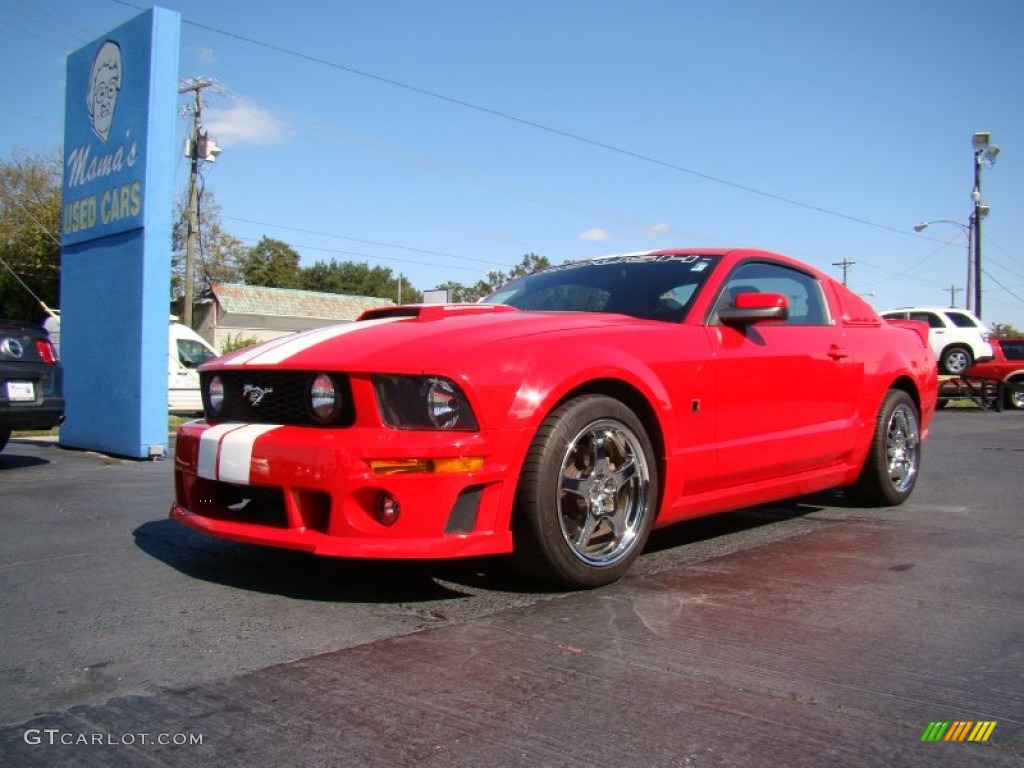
<point>278,350</point>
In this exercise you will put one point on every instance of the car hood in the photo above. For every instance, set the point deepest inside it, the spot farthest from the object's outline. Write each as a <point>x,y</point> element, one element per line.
<point>413,338</point>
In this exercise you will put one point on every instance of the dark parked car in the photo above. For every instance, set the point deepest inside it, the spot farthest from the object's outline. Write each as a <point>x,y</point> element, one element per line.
<point>31,380</point>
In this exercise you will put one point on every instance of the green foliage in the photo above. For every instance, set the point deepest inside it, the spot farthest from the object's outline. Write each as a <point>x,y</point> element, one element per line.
<point>271,263</point>
<point>495,279</point>
<point>354,279</point>
<point>458,292</point>
<point>30,194</point>
<point>30,210</point>
<point>217,253</point>
<point>1004,331</point>
<point>238,341</point>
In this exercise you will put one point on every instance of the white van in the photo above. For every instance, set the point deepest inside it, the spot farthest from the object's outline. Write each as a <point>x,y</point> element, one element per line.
<point>186,351</point>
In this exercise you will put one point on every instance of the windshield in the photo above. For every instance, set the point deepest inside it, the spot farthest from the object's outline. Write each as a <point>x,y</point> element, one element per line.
<point>192,354</point>
<point>650,287</point>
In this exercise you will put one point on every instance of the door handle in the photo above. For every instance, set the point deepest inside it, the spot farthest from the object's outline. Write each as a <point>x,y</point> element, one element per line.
<point>837,353</point>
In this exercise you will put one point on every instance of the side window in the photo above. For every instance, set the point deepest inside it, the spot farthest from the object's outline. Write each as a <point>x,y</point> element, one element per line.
<point>933,320</point>
<point>807,305</point>
<point>1014,350</point>
<point>961,320</point>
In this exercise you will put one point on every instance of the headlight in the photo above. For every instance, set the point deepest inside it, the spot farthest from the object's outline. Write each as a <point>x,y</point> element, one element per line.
<point>215,394</point>
<point>423,402</point>
<point>325,401</point>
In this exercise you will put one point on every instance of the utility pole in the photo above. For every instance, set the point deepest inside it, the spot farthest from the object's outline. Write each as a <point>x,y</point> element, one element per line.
<point>193,195</point>
<point>952,291</point>
<point>845,264</point>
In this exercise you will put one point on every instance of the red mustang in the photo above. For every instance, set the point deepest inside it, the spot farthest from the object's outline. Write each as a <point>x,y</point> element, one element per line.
<point>563,417</point>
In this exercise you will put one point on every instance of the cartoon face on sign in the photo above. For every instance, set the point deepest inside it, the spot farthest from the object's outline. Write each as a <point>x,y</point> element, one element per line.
<point>104,84</point>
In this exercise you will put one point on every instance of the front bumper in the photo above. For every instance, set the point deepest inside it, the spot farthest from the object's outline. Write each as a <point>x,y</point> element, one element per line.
<point>314,490</point>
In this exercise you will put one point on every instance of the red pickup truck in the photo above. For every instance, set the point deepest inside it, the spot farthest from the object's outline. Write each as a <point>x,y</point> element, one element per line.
<point>1007,366</point>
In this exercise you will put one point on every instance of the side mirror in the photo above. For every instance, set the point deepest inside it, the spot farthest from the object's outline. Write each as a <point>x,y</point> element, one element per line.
<point>754,308</point>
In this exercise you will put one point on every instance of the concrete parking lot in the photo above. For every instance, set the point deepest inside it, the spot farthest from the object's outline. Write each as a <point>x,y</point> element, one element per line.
<point>810,633</point>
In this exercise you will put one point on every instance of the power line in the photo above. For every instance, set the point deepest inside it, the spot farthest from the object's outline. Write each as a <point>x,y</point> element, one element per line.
<point>80,33</point>
<point>529,123</point>
<point>377,257</point>
<point>532,124</point>
<point>470,175</point>
<point>365,242</point>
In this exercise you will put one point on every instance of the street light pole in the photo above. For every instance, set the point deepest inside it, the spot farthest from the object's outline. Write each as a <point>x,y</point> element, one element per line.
<point>968,231</point>
<point>984,152</point>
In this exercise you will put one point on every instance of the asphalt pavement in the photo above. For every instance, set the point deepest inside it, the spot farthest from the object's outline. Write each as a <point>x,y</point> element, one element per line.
<point>809,633</point>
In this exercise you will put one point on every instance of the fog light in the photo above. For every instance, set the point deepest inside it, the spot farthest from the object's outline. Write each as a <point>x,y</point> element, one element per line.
<point>386,509</point>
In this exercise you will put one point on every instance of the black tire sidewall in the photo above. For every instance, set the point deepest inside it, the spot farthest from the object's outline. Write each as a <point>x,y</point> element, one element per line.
<point>873,485</point>
<point>540,545</point>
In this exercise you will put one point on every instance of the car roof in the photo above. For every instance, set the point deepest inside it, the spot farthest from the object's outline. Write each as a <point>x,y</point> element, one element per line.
<point>737,254</point>
<point>930,309</point>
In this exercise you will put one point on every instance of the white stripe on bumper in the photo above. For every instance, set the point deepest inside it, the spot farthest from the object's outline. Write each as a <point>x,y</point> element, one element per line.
<point>225,451</point>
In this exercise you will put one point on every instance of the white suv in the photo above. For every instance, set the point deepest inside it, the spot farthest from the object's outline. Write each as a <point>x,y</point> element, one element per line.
<point>957,337</point>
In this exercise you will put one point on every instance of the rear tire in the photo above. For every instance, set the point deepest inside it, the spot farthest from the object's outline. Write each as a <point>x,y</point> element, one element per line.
<point>5,435</point>
<point>890,469</point>
<point>955,360</point>
<point>1014,398</point>
<point>587,495</point>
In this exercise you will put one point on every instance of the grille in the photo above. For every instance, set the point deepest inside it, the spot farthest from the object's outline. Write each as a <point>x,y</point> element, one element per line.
<point>274,397</point>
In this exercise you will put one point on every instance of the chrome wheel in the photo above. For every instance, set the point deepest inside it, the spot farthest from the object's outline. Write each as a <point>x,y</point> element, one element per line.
<point>603,492</point>
<point>902,444</point>
<point>889,472</point>
<point>587,495</point>
<point>1015,398</point>
<point>956,360</point>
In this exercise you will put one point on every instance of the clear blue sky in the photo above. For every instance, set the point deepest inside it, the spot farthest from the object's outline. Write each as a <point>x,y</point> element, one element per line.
<point>445,138</point>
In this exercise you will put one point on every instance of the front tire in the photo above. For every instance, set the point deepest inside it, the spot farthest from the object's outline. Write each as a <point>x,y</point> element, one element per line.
<point>890,469</point>
<point>587,495</point>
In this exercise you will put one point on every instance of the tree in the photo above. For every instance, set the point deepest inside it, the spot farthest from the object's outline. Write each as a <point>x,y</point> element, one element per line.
<point>218,254</point>
<point>271,263</point>
<point>355,279</point>
<point>495,279</point>
<point>459,292</point>
<point>1004,331</point>
<point>30,195</point>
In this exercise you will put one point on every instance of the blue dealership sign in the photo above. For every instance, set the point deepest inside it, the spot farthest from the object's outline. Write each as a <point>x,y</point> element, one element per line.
<point>106,107</point>
<point>119,156</point>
